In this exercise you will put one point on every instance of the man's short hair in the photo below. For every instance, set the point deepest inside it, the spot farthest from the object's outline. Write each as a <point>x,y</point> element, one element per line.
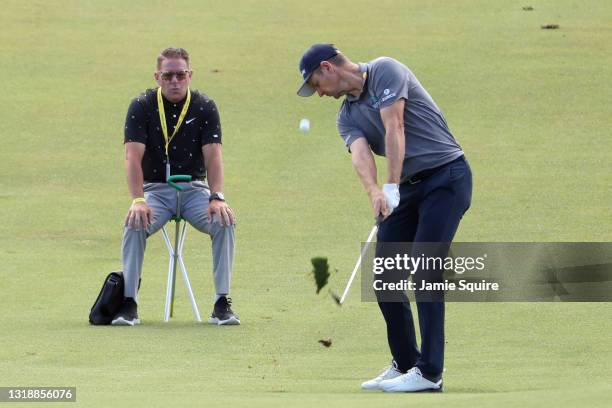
<point>338,60</point>
<point>173,52</point>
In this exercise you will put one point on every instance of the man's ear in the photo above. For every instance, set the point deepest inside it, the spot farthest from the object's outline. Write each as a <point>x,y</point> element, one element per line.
<point>326,66</point>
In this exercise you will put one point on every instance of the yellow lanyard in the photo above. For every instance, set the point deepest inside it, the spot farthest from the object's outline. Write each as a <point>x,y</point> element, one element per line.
<point>162,117</point>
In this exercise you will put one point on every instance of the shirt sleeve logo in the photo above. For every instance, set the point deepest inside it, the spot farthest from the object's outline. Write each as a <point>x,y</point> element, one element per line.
<point>387,95</point>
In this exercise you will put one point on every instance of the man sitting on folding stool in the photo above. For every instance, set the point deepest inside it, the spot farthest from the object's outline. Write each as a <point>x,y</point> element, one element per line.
<point>172,130</point>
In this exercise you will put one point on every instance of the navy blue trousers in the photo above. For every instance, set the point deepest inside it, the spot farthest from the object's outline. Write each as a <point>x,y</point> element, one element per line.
<point>429,211</point>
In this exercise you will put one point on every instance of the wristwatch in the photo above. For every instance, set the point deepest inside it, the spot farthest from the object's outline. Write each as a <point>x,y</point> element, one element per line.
<point>216,196</point>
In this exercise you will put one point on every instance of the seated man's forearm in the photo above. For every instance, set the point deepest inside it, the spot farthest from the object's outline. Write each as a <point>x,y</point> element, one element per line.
<point>214,173</point>
<point>134,179</point>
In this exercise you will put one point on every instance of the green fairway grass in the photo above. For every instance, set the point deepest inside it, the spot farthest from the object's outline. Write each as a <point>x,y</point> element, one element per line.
<point>530,107</point>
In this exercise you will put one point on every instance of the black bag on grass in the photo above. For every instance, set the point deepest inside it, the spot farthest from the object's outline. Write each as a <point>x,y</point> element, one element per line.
<point>109,300</point>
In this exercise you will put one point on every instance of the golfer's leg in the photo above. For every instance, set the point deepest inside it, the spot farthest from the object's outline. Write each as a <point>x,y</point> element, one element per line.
<point>447,197</point>
<point>195,206</point>
<point>134,240</point>
<point>400,333</point>
<point>399,227</point>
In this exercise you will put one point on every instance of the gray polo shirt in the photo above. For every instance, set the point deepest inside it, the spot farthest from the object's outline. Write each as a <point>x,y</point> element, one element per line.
<point>429,142</point>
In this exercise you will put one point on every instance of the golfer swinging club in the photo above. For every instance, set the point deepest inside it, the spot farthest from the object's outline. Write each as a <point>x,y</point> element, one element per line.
<point>429,186</point>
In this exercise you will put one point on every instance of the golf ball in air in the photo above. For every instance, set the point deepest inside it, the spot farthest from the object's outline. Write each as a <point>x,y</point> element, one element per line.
<point>304,125</point>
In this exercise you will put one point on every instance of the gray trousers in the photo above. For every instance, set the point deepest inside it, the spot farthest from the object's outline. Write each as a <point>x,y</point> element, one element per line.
<point>162,200</point>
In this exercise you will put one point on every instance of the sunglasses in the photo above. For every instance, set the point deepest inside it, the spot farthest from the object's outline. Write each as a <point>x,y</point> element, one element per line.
<point>180,75</point>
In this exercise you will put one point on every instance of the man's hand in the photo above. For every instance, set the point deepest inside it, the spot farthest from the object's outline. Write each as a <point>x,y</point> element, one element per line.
<point>379,202</point>
<point>139,216</point>
<point>224,213</point>
<point>392,195</point>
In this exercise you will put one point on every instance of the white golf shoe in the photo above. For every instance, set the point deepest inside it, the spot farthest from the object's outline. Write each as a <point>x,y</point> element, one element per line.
<point>387,374</point>
<point>412,381</point>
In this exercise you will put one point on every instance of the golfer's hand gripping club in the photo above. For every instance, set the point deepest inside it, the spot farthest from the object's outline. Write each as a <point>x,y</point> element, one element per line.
<point>392,196</point>
<point>384,200</point>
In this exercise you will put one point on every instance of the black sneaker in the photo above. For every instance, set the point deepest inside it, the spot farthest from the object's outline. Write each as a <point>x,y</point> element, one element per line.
<point>222,313</point>
<point>128,314</point>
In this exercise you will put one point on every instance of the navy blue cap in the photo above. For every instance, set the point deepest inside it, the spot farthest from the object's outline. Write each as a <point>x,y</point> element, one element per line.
<point>311,60</point>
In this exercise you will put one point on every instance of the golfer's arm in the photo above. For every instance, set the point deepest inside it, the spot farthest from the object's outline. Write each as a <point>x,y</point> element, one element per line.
<point>134,151</point>
<point>364,164</point>
<point>213,159</point>
<point>395,141</point>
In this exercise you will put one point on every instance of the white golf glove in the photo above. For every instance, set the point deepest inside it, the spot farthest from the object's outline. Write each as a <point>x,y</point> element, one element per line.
<point>392,195</point>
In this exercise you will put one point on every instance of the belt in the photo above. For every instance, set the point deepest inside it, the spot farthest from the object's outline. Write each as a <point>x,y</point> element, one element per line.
<point>422,175</point>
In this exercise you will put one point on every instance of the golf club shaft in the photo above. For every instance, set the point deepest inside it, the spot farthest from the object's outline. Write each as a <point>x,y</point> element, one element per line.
<point>358,264</point>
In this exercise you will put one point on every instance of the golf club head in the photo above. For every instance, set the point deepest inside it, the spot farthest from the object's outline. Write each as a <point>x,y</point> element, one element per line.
<point>335,297</point>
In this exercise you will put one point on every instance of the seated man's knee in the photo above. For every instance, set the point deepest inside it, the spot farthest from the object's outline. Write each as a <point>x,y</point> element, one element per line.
<point>225,230</point>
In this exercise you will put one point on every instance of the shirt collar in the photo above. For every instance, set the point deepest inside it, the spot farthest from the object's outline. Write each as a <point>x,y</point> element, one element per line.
<point>173,105</point>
